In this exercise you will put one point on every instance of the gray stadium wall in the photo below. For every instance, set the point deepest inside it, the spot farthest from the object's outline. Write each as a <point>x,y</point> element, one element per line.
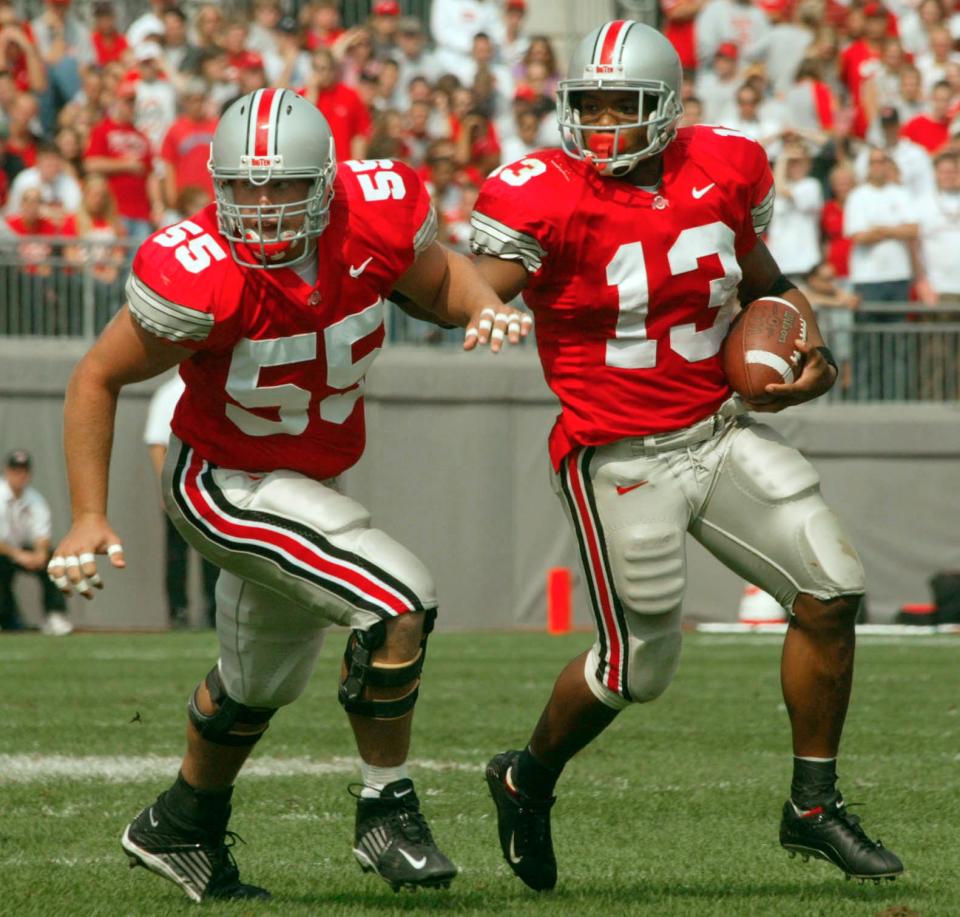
<point>456,469</point>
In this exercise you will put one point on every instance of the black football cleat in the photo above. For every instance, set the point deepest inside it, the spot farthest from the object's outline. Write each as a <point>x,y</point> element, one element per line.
<point>831,833</point>
<point>393,840</point>
<point>523,824</point>
<point>199,861</point>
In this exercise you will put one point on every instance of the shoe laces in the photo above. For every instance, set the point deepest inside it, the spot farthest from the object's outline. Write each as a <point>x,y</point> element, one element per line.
<point>841,811</point>
<point>533,823</point>
<point>225,867</point>
<point>402,815</point>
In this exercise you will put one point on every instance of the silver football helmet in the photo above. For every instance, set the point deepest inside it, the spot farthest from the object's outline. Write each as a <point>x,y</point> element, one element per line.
<point>621,55</point>
<point>272,135</point>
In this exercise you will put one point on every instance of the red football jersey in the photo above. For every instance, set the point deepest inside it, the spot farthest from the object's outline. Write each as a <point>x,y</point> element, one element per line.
<point>277,378</point>
<point>632,289</point>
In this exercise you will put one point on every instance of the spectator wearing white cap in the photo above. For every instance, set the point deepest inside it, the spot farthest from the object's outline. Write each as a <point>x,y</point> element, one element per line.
<point>794,235</point>
<point>25,542</point>
<point>149,24</point>
<point>156,104</point>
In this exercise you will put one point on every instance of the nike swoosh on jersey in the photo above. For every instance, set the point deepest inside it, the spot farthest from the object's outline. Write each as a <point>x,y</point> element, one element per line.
<point>416,864</point>
<point>700,192</point>
<point>357,271</point>
<point>625,490</point>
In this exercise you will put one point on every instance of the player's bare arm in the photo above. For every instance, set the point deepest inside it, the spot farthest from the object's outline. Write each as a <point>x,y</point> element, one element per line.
<point>448,285</point>
<point>508,278</point>
<point>124,353</point>
<point>761,275</point>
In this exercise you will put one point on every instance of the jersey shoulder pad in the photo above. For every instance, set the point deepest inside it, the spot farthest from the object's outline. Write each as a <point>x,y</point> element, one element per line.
<point>180,280</point>
<point>520,208</point>
<point>735,161</point>
<point>389,203</point>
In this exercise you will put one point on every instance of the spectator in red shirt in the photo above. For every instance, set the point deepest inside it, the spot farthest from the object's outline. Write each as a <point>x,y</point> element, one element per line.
<point>680,16</point>
<point>33,290</point>
<point>860,60</point>
<point>186,147</point>
<point>842,182</point>
<point>122,153</point>
<point>347,115</point>
<point>96,219</point>
<point>21,121</point>
<point>932,131</point>
<point>108,41</point>
<point>234,42</point>
<point>383,26</point>
<point>323,24</point>
<point>19,54</point>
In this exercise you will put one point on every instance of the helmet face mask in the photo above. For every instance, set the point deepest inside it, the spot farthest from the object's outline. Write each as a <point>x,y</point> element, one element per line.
<point>266,138</point>
<point>621,56</point>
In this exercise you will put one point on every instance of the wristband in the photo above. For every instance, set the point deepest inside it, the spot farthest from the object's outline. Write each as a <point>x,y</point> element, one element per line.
<point>824,352</point>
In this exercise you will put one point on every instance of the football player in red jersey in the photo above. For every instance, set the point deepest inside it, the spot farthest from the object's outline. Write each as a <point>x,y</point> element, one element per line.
<point>631,246</point>
<point>271,301</point>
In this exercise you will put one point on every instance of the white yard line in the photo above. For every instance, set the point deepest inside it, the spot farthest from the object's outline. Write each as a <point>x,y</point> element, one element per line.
<point>123,769</point>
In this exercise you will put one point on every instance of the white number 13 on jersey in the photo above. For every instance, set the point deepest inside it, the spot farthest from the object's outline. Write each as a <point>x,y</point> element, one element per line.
<point>627,271</point>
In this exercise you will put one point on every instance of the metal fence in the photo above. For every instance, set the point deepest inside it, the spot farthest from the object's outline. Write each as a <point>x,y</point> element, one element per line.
<point>71,288</point>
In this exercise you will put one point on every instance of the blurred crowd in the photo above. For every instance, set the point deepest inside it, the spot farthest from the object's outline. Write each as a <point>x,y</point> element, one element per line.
<point>105,119</point>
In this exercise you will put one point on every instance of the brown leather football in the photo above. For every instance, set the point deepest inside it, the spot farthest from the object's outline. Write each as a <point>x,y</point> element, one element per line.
<point>759,349</point>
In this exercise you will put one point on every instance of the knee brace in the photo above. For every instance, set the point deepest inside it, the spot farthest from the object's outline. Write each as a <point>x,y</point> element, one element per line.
<point>363,672</point>
<point>231,723</point>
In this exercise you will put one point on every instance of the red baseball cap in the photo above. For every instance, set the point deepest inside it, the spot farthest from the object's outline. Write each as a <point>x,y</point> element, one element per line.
<point>728,49</point>
<point>875,10</point>
<point>251,61</point>
<point>386,8</point>
<point>517,5</point>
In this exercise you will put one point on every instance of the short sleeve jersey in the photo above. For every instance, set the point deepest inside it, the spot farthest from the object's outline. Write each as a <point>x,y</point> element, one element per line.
<point>276,380</point>
<point>632,289</point>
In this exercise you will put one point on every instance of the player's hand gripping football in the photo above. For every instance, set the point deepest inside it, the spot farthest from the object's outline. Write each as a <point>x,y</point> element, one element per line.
<point>816,377</point>
<point>74,566</point>
<point>493,326</point>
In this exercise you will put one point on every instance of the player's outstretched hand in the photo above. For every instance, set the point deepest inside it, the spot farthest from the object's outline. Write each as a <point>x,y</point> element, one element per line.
<point>493,326</point>
<point>816,377</point>
<point>73,565</point>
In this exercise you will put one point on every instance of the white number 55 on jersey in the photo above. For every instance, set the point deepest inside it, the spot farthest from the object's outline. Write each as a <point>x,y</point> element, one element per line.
<point>291,401</point>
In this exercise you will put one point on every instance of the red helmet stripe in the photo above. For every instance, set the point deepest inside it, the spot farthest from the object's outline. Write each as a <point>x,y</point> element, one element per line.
<point>263,133</point>
<point>610,41</point>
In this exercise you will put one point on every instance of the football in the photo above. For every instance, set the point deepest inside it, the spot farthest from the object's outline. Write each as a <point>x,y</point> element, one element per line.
<point>759,348</point>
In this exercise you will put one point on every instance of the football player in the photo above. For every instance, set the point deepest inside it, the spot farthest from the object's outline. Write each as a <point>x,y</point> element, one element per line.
<point>271,300</point>
<point>631,246</point>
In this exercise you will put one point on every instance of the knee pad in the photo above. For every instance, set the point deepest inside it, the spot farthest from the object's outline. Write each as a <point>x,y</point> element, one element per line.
<point>363,672</point>
<point>653,656</point>
<point>231,723</point>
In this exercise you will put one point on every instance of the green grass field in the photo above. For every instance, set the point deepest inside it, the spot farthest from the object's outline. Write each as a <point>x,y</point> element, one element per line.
<point>673,811</point>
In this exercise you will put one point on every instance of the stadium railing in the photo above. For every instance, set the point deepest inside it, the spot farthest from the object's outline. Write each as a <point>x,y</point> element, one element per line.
<point>60,287</point>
